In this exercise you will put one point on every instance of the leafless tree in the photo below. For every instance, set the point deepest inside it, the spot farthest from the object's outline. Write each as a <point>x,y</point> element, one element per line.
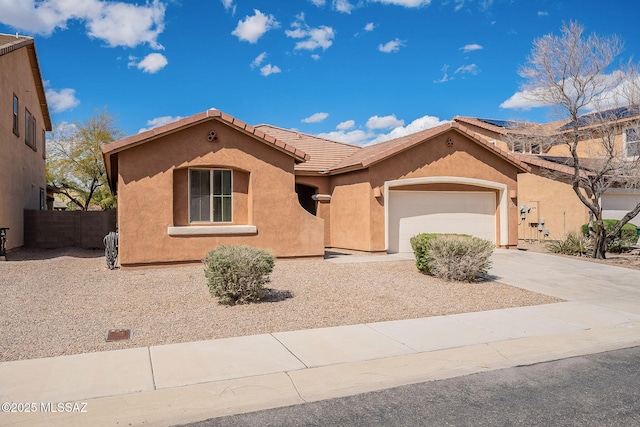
<point>572,73</point>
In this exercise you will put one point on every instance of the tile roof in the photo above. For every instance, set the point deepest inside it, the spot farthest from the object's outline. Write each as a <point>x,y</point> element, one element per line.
<point>507,127</point>
<point>110,151</point>
<point>323,153</point>
<point>12,42</point>
<point>372,154</point>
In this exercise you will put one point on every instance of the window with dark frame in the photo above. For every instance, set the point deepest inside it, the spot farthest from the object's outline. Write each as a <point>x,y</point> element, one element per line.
<point>632,142</point>
<point>30,130</point>
<point>16,121</point>
<point>44,144</point>
<point>210,196</point>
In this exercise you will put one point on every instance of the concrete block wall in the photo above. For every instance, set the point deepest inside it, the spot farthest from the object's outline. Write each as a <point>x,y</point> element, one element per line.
<point>52,229</point>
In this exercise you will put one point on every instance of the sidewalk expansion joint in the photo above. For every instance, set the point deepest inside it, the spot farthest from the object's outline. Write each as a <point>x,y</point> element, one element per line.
<point>290,352</point>
<point>153,376</point>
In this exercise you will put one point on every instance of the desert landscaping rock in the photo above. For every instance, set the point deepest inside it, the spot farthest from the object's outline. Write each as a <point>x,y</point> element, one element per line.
<point>60,302</point>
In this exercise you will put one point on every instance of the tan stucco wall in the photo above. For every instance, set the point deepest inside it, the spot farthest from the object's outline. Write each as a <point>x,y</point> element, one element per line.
<point>592,148</point>
<point>358,217</point>
<point>152,191</point>
<point>555,201</point>
<point>22,170</point>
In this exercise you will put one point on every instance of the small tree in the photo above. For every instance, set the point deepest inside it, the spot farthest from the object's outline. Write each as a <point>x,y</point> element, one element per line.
<point>571,73</point>
<point>74,161</point>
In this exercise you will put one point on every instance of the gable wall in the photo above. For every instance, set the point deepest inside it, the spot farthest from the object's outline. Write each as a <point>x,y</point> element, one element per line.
<point>153,189</point>
<point>22,170</point>
<point>357,215</point>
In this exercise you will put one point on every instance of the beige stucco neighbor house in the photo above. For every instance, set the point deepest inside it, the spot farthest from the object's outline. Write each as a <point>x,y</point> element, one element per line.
<point>551,205</point>
<point>210,179</point>
<point>25,118</point>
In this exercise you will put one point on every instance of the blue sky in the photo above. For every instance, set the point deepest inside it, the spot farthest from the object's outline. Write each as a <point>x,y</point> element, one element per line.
<point>352,70</point>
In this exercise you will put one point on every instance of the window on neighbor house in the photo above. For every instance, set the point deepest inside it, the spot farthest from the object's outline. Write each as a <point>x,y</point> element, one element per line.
<point>30,130</point>
<point>210,195</point>
<point>632,142</point>
<point>43,199</point>
<point>525,147</point>
<point>16,122</point>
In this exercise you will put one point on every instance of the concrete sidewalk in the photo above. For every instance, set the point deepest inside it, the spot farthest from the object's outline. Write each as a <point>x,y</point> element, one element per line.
<point>180,383</point>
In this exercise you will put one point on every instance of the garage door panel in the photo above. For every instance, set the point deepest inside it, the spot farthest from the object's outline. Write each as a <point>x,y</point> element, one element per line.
<point>414,212</point>
<point>615,206</point>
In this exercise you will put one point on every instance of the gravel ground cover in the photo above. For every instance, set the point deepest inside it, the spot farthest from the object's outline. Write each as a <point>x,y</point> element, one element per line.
<point>59,302</point>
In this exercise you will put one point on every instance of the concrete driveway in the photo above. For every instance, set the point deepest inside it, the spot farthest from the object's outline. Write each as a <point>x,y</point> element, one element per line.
<point>563,277</point>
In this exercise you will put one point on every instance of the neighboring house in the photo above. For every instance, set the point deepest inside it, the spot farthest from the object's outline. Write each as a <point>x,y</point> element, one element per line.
<point>210,179</point>
<point>25,118</point>
<point>545,191</point>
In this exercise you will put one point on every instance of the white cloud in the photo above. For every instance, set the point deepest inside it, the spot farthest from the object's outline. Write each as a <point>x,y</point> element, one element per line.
<point>384,122</point>
<point>543,13</point>
<point>270,69</point>
<point>315,118</point>
<point>115,22</point>
<point>61,100</point>
<point>522,101</point>
<point>419,124</point>
<point>259,59</point>
<point>314,38</point>
<point>468,69</point>
<point>160,121</point>
<point>405,3</point>
<point>229,5</point>
<point>445,75</point>
<point>459,5</point>
<point>358,136</point>
<point>343,6</point>
<point>346,125</point>
<point>471,47</point>
<point>614,90</point>
<point>370,26</point>
<point>151,63</point>
<point>396,129</point>
<point>391,46</point>
<point>319,3</point>
<point>254,27</point>
<point>315,56</point>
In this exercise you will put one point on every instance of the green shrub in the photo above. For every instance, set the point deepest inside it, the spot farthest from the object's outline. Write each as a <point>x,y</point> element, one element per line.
<point>452,257</point>
<point>573,244</point>
<point>420,245</point>
<point>627,236</point>
<point>237,274</point>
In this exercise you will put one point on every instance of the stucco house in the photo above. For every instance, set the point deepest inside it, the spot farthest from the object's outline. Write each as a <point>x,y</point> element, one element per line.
<point>211,179</point>
<point>25,118</point>
<point>545,190</point>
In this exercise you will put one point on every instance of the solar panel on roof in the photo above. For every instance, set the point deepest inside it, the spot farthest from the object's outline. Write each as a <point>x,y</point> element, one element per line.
<point>613,114</point>
<point>500,123</point>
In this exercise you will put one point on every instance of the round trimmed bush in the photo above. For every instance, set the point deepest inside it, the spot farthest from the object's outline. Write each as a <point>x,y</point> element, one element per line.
<point>237,274</point>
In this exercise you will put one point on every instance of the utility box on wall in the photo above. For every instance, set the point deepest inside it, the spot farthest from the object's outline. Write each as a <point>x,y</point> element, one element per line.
<point>533,217</point>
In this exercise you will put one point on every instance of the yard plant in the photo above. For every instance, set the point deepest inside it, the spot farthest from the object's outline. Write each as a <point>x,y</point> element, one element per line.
<point>627,236</point>
<point>237,274</point>
<point>577,244</point>
<point>452,256</point>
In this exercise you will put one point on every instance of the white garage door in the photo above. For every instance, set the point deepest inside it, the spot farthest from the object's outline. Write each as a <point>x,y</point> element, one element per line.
<point>414,212</point>
<point>615,206</point>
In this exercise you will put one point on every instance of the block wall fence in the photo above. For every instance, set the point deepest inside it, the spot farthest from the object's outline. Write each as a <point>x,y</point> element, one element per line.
<point>53,229</point>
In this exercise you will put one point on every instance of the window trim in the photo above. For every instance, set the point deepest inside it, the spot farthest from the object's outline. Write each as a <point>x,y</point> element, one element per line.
<point>44,144</point>
<point>30,130</point>
<point>625,143</point>
<point>16,115</point>
<point>212,196</point>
